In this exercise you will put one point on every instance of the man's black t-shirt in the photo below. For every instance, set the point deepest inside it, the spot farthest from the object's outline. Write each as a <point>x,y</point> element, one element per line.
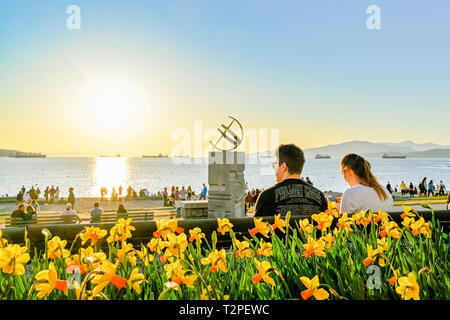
<point>292,195</point>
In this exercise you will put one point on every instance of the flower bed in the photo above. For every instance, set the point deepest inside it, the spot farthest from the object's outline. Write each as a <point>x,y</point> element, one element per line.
<point>366,256</point>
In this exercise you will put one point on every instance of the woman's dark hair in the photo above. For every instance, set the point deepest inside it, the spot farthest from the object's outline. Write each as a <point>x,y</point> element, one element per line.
<point>361,167</point>
<point>121,209</point>
<point>30,209</point>
<point>293,156</point>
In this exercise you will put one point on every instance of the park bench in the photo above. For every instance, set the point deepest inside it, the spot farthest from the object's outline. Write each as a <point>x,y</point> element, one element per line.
<point>40,219</point>
<point>146,215</point>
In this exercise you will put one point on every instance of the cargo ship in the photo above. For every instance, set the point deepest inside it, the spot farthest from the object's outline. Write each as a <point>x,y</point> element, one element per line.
<point>386,156</point>
<point>27,155</point>
<point>158,156</point>
<point>322,156</point>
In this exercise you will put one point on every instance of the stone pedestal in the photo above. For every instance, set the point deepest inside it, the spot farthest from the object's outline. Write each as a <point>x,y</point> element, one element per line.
<point>226,184</point>
<point>194,209</point>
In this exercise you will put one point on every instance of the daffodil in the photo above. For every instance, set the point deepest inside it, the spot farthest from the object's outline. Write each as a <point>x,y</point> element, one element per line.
<point>346,223</point>
<point>279,223</point>
<point>217,260</point>
<point>260,227</point>
<point>56,248</point>
<point>144,256</point>
<point>408,287</point>
<point>390,229</point>
<point>371,255</point>
<point>157,245</point>
<point>312,289</point>
<point>314,247</point>
<point>265,249</point>
<point>380,216</point>
<point>224,226</point>
<point>264,269</point>
<point>127,251</point>
<point>176,273</point>
<point>323,220</point>
<point>107,274</point>
<point>305,226</point>
<point>165,227</point>
<point>177,244</point>
<point>92,233</point>
<point>47,280</point>
<point>329,239</point>
<point>12,259</point>
<point>392,280</point>
<point>135,280</point>
<point>195,234</point>
<point>3,242</point>
<point>244,250</point>
<point>407,212</point>
<point>421,227</point>
<point>121,231</point>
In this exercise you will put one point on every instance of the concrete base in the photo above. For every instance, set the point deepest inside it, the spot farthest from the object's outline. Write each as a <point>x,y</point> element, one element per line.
<point>226,184</point>
<point>194,209</point>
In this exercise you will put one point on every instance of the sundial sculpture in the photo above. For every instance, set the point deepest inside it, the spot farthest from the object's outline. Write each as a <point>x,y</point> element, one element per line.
<point>226,174</point>
<point>229,134</point>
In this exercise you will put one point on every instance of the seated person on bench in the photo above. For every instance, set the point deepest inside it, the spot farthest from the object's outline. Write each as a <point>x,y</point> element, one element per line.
<point>122,212</point>
<point>96,213</point>
<point>68,214</point>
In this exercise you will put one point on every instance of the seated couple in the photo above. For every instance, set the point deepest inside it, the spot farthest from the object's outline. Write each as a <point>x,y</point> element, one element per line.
<point>292,194</point>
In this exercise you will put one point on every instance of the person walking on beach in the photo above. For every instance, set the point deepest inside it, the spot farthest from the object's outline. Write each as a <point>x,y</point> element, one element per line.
<point>46,192</point>
<point>203,193</point>
<point>120,191</point>
<point>411,189</point>
<point>71,198</point>
<point>290,193</point>
<point>19,197</point>
<point>165,196</point>
<point>365,191</point>
<point>431,188</point>
<point>388,187</point>
<point>183,194</point>
<point>441,189</point>
<point>403,188</point>
<point>57,193</point>
<point>189,193</point>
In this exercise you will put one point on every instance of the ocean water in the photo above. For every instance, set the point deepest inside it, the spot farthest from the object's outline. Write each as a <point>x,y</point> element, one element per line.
<point>87,175</point>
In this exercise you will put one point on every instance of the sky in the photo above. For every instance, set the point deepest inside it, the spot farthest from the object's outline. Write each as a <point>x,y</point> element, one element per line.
<point>137,72</point>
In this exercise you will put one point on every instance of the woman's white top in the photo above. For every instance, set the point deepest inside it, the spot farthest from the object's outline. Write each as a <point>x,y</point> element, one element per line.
<point>360,198</point>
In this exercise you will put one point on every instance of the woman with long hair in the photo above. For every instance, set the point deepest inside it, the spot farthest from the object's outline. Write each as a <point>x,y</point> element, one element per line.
<point>365,191</point>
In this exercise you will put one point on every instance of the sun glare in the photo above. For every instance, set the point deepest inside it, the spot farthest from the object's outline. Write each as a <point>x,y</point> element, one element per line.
<point>113,102</point>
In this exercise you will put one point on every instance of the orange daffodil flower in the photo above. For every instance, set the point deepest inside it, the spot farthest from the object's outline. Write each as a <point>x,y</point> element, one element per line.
<point>195,234</point>
<point>360,218</point>
<point>390,229</point>
<point>392,280</point>
<point>107,274</point>
<point>421,227</point>
<point>175,272</point>
<point>408,287</point>
<point>92,233</point>
<point>224,226</point>
<point>314,247</point>
<point>329,239</point>
<point>323,220</point>
<point>217,260</point>
<point>305,226</point>
<point>244,250</point>
<point>165,227</point>
<point>346,223</point>
<point>265,249</point>
<point>407,212</point>
<point>56,248</point>
<point>47,280</point>
<point>157,245</point>
<point>121,231</point>
<point>382,246</point>
<point>279,223</point>
<point>312,289</point>
<point>380,216</point>
<point>260,227</point>
<point>12,259</point>
<point>371,255</point>
<point>264,269</point>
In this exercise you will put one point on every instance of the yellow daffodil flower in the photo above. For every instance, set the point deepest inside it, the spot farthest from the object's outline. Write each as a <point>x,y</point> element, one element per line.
<point>244,250</point>
<point>265,249</point>
<point>12,259</point>
<point>345,222</point>
<point>47,280</point>
<point>107,275</point>
<point>264,269</point>
<point>224,226</point>
<point>279,223</point>
<point>92,233</point>
<point>305,226</point>
<point>135,280</point>
<point>217,260</point>
<point>323,220</point>
<point>260,227</point>
<point>312,289</point>
<point>314,247</point>
<point>165,227</point>
<point>408,287</point>
<point>421,227</point>
<point>121,231</point>
<point>56,248</point>
<point>195,234</point>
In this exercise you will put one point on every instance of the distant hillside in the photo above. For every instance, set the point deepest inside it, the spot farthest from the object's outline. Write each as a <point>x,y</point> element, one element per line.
<point>434,153</point>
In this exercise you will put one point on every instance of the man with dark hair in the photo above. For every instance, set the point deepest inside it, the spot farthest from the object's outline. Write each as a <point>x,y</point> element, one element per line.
<point>96,213</point>
<point>291,193</point>
<point>20,212</point>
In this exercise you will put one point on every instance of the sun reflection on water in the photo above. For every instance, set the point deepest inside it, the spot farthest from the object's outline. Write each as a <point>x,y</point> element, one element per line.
<point>109,173</point>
